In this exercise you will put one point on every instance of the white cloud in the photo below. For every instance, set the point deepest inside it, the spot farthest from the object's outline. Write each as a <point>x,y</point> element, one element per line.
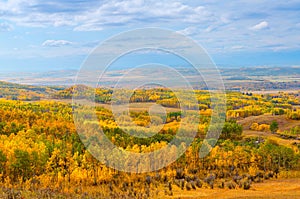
<point>56,43</point>
<point>87,28</point>
<point>239,47</point>
<point>189,31</point>
<point>96,15</point>
<point>260,26</point>
<point>213,24</point>
<point>5,27</point>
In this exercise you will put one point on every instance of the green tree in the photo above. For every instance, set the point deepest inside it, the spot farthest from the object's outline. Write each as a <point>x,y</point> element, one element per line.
<point>21,165</point>
<point>274,127</point>
<point>231,130</point>
<point>3,160</point>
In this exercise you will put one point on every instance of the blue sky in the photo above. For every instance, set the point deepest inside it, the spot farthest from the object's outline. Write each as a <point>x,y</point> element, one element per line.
<point>59,34</point>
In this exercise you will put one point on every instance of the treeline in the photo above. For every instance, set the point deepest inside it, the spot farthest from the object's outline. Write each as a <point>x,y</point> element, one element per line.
<point>240,104</point>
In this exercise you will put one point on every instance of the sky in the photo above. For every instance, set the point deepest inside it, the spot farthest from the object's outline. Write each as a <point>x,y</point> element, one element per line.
<point>47,35</point>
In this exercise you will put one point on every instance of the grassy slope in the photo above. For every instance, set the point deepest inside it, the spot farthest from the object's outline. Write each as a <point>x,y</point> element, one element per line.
<point>283,124</point>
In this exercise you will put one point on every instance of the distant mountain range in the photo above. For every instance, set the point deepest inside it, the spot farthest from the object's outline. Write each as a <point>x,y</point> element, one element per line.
<point>262,71</point>
<point>234,79</point>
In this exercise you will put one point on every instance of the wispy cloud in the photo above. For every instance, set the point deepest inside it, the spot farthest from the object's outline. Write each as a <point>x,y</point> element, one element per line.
<point>260,26</point>
<point>189,31</point>
<point>56,43</point>
<point>238,26</point>
<point>94,15</point>
<point>5,27</point>
<point>237,47</point>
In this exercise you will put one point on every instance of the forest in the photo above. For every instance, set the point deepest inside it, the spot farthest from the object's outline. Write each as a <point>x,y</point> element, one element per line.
<point>42,156</point>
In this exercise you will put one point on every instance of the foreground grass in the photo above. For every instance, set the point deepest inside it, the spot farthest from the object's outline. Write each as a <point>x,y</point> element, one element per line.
<point>277,189</point>
<point>270,189</point>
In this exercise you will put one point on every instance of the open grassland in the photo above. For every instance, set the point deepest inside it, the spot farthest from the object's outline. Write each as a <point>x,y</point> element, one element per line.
<point>279,140</point>
<point>271,189</point>
<point>283,122</point>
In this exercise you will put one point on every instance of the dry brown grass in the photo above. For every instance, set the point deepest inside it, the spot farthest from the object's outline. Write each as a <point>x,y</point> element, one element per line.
<point>279,140</point>
<point>283,122</point>
<point>277,189</point>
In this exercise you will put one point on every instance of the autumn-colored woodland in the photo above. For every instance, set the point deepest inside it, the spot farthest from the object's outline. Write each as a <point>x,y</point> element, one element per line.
<point>42,156</point>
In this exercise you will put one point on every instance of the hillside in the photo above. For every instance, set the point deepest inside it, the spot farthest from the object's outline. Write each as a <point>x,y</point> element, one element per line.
<point>43,154</point>
<point>26,92</point>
